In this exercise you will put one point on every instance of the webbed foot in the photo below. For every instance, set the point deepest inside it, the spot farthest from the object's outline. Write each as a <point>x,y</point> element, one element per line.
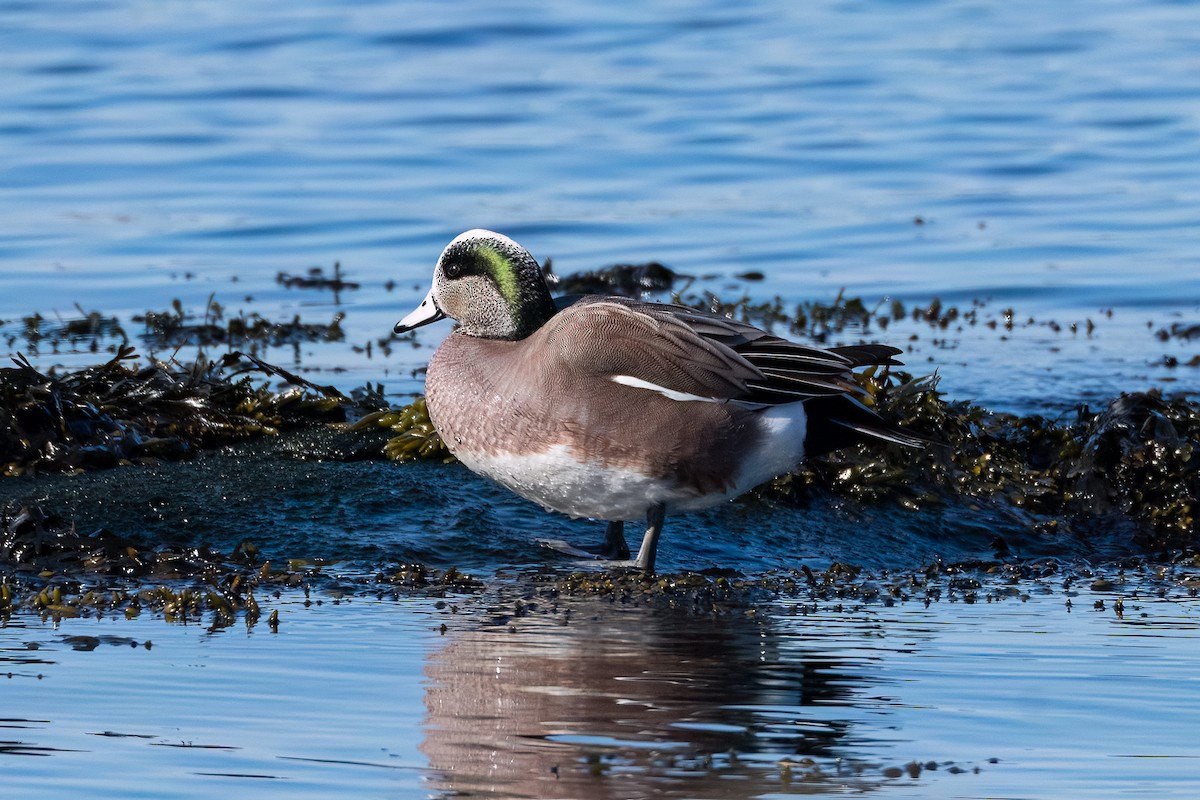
<point>614,546</point>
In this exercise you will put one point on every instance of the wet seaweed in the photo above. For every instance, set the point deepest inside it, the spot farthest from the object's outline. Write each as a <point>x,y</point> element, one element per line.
<point>1179,330</point>
<point>87,333</point>
<point>119,413</point>
<point>415,438</point>
<point>709,592</point>
<point>1172,362</point>
<point>315,278</point>
<point>1134,464</point>
<point>177,327</point>
<point>723,591</point>
<point>838,587</point>
<point>821,321</point>
<point>50,568</point>
<point>627,280</point>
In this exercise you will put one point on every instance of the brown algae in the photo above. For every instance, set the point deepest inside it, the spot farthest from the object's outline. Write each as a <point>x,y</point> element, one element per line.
<point>50,568</point>
<point>119,413</point>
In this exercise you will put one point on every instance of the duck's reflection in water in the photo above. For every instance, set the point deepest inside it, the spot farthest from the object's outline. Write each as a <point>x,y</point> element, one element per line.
<point>627,702</point>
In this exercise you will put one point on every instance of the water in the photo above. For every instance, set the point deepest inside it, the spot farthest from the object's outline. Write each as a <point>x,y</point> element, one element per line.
<point>1030,156</point>
<point>152,153</point>
<point>145,709</point>
<point>1021,697</point>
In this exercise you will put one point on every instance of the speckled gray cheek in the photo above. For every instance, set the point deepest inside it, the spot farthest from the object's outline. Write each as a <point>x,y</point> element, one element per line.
<point>477,305</point>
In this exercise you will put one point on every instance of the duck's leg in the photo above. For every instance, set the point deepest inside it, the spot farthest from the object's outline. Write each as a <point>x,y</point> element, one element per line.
<point>649,549</point>
<point>614,546</point>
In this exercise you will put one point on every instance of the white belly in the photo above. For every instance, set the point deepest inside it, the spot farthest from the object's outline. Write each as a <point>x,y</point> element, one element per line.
<point>557,481</point>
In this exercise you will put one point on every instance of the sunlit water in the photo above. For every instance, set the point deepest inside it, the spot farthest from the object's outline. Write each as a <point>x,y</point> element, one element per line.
<point>1048,151</point>
<point>1022,697</point>
<point>1033,156</point>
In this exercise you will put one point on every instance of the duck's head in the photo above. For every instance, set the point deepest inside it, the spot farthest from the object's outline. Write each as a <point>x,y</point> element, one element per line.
<point>490,284</point>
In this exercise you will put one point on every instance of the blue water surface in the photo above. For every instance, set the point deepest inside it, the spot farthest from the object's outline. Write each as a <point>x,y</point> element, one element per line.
<point>1040,156</point>
<point>1026,695</point>
<point>1034,161</point>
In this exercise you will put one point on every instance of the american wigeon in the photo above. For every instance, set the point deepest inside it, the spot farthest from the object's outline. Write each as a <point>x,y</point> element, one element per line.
<point>616,409</point>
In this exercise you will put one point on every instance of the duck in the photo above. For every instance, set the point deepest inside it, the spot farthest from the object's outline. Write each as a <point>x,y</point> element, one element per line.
<point>617,409</point>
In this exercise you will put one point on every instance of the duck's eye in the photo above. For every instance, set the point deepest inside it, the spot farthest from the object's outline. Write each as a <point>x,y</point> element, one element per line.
<point>452,269</point>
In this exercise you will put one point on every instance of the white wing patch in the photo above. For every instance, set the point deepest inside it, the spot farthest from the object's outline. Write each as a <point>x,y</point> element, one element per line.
<point>670,394</point>
<point>682,397</point>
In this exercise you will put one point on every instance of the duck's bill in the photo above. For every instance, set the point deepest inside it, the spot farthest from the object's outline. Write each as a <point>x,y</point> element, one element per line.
<point>423,314</point>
